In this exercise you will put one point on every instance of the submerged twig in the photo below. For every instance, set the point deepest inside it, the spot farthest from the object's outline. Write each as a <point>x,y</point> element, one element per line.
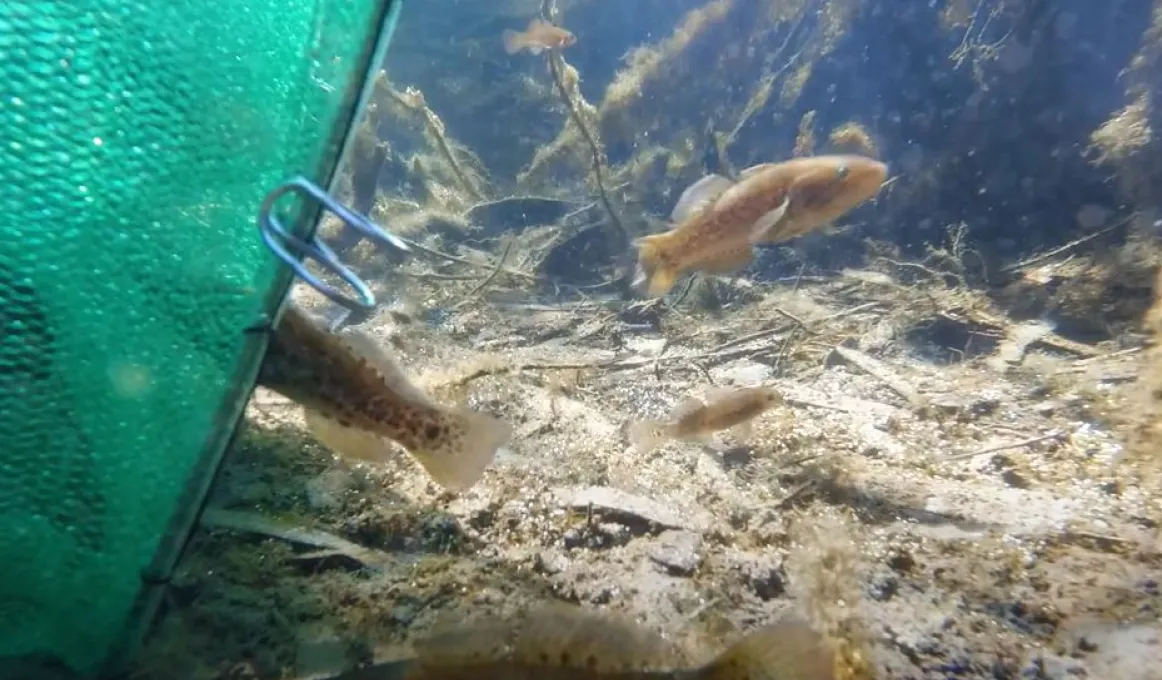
<point>880,371</point>
<point>490,278</point>
<point>1067,247</point>
<point>413,100</point>
<point>453,258</point>
<point>1054,435</point>
<point>555,68</point>
<point>251,523</point>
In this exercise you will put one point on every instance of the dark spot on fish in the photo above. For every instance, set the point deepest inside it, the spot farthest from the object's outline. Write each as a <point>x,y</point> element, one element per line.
<point>591,662</point>
<point>432,431</point>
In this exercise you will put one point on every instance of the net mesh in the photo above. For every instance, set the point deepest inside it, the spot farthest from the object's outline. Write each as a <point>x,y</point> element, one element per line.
<point>137,140</point>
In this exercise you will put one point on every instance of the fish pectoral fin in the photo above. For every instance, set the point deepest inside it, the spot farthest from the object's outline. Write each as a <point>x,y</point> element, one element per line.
<point>347,442</point>
<point>698,196</point>
<point>754,170</point>
<point>727,263</point>
<point>646,435</point>
<point>467,445</point>
<point>686,407</point>
<point>654,275</point>
<point>742,431</point>
<point>513,41</point>
<point>536,49</point>
<point>765,227</point>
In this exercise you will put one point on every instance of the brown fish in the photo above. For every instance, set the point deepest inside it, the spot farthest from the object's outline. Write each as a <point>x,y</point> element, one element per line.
<point>568,643</point>
<point>539,36</point>
<point>357,401</point>
<point>696,420</point>
<point>718,221</point>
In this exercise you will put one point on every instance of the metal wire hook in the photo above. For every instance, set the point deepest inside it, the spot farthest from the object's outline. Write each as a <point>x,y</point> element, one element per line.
<point>270,227</point>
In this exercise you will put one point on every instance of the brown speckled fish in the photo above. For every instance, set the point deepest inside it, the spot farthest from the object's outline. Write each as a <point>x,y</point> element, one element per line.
<point>695,419</point>
<point>718,221</point>
<point>539,36</point>
<point>567,643</point>
<point>357,401</point>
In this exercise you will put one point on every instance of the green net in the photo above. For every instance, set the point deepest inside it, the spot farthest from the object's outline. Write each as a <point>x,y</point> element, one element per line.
<point>137,140</point>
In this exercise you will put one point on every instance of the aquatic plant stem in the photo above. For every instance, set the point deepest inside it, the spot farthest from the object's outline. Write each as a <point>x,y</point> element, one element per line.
<point>414,100</point>
<point>554,59</point>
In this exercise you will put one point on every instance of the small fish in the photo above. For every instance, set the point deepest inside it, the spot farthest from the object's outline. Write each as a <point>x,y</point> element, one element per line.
<point>718,221</point>
<point>568,643</point>
<point>357,400</point>
<point>539,36</point>
<point>696,420</point>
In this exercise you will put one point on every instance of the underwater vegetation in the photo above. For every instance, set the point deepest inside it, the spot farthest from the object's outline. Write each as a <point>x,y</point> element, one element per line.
<point>928,422</point>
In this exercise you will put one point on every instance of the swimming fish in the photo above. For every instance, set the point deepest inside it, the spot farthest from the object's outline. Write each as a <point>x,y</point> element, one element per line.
<point>539,36</point>
<point>695,419</point>
<point>569,643</point>
<point>718,221</point>
<point>357,400</point>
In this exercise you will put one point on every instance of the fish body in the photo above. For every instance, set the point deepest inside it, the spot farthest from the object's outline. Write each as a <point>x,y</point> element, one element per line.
<point>696,420</point>
<point>719,221</point>
<point>539,36</point>
<point>357,401</point>
<point>567,643</point>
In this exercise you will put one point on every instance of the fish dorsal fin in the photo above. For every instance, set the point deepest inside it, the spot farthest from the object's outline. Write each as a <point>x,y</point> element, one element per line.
<point>551,636</point>
<point>699,195</point>
<point>535,22</point>
<point>362,344</point>
<point>789,649</point>
<point>754,170</point>
<point>719,393</point>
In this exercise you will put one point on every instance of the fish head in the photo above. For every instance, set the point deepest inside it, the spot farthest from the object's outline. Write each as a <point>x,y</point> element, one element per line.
<point>837,184</point>
<point>768,396</point>
<point>567,38</point>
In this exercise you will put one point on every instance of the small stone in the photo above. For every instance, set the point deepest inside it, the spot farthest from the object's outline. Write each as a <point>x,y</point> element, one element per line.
<point>319,655</point>
<point>632,510</point>
<point>762,573</point>
<point>326,491</point>
<point>1015,479</point>
<point>677,552</point>
<point>611,533</point>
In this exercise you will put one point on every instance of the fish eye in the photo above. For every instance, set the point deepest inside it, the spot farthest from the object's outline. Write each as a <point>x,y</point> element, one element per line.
<point>843,171</point>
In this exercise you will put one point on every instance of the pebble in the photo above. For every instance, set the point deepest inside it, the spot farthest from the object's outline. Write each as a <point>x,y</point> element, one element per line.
<point>678,552</point>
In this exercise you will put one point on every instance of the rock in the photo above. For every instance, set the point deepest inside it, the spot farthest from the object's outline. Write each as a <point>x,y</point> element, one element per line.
<point>582,256</point>
<point>518,212</point>
<point>326,491</point>
<point>633,511</point>
<point>1110,650</point>
<point>677,552</point>
<point>320,654</point>
<point>763,574</point>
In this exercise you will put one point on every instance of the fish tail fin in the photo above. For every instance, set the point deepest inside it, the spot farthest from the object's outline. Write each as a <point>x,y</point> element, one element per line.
<point>654,274</point>
<point>468,446</point>
<point>513,41</point>
<point>645,435</point>
<point>784,650</point>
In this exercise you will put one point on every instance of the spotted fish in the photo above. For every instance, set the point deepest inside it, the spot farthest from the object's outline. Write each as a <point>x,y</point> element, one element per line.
<point>568,643</point>
<point>358,400</point>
